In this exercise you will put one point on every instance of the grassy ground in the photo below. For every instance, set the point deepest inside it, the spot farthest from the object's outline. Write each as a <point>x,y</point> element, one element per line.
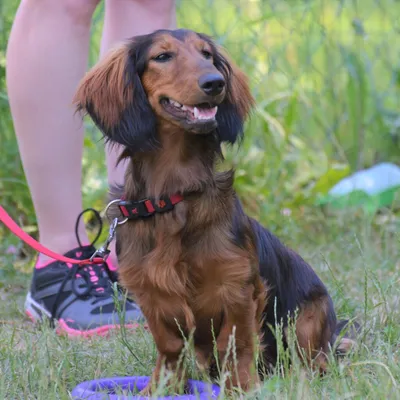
<point>326,77</point>
<point>361,269</point>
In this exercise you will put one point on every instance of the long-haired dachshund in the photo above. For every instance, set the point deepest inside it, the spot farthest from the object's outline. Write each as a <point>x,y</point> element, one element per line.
<point>189,254</point>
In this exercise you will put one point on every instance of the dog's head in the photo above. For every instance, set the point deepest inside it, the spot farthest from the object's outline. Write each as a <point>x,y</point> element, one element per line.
<point>179,77</point>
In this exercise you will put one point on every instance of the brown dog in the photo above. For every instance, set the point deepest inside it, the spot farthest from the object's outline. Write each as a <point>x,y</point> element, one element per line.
<point>188,253</point>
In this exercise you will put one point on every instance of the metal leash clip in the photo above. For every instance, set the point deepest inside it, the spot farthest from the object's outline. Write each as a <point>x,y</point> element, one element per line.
<point>103,252</point>
<point>107,210</point>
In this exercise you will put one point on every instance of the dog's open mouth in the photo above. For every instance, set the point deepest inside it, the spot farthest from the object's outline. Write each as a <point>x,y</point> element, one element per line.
<point>203,112</point>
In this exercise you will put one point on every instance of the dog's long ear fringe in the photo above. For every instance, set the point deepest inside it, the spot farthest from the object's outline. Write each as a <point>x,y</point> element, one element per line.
<point>238,103</point>
<point>236,107</point>
<point>112,94</point>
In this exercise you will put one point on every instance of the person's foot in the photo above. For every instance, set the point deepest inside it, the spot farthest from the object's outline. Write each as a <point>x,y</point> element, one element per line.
<point>80,298</point>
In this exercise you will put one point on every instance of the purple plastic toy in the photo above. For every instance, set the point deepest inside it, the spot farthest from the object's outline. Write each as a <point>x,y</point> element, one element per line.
<point>106,389</point>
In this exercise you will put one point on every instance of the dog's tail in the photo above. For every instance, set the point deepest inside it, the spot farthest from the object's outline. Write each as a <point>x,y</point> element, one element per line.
<point>345,337</point>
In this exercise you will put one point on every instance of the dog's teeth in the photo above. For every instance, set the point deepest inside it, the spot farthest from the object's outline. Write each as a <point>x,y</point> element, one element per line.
<point>184,108</point>
<point>176,104</point>
<point>196,113</point>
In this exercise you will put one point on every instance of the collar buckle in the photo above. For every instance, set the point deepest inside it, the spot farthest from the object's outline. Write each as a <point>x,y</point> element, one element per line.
<point>135,209</point>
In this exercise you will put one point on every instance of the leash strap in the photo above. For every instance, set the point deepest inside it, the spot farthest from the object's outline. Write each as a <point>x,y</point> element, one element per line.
<point>30,241</point>
<point>131,210</point>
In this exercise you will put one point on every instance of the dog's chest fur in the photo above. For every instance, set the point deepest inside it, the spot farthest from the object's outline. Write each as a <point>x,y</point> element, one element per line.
<point>186,264</point>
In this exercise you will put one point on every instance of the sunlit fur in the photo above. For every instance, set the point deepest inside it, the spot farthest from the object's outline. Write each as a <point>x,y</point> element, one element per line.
<point>205,260</point>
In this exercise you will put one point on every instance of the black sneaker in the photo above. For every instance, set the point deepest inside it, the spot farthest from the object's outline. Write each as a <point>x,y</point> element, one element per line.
<point>80,298</point>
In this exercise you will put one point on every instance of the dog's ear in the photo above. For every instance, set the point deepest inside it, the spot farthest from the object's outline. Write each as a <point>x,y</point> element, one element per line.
<point>113,96</point>
<point>236,107</point>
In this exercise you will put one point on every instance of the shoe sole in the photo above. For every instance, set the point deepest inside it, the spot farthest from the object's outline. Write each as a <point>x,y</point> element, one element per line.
<point>37,313</point>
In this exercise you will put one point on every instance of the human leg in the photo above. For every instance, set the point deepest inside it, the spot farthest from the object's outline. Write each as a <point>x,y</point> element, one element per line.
<point>46,58</point>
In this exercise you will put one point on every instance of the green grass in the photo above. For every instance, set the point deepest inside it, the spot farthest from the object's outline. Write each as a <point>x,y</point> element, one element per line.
<point>326,76</point>
<point>360,268</point>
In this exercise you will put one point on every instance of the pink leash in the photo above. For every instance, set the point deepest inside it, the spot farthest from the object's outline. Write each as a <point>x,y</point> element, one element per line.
<point>30,241</point>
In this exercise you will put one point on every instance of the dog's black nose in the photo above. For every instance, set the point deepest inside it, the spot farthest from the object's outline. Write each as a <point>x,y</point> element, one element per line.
<point>212,84</point>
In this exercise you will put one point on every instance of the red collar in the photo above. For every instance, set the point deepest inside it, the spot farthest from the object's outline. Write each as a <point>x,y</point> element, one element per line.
<point>132,210</point>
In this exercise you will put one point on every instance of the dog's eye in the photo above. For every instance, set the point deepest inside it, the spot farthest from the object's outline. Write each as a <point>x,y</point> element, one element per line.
<point>163,57</point>
<point>207,55</point>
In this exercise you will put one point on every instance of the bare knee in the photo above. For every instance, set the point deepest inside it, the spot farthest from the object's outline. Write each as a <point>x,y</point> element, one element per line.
<point>156,6</point>
<point>80,11</point>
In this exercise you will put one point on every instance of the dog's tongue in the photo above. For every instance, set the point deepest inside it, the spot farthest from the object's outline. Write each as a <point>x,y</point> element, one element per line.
<point>201,112</point>
<point>204,113</point>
